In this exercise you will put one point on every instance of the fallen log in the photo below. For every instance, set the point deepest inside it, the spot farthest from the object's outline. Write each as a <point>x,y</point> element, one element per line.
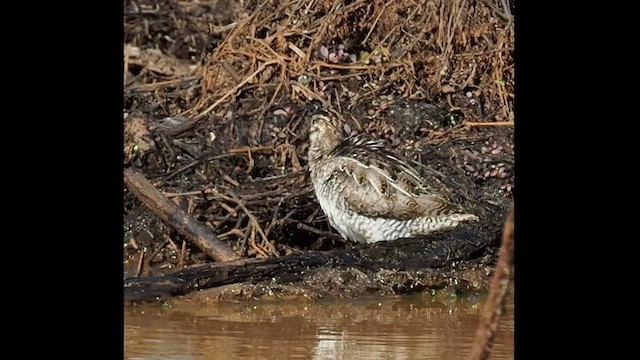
<point>169,212</point>
<point>433,252</point>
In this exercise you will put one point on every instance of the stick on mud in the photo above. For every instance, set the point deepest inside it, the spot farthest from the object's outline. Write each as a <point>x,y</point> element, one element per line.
<point>169,212</point>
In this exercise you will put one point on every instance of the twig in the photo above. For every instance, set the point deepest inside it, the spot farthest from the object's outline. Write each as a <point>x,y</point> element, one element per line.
<point>139,268</point>
<point>250,55</point>
<point>245,238</point>
<point>296,87</point>
<point>231,211</point>
<point>283,71</point>
<point>188,193</point>
<point>400,53</point>
<point>160,84</point>
<point>306,11</point>
<point>172,155</point>
<point>508,17</point>
<point>210,156</point>
<point>247,149</point>
<point>484,52</point>
<point>269,49</point>
<point>507,9</point>
<point>316,65</point>
<point>235,231</point>
<point>253,243</point>
<point>183,252</point>
<point>233,91</point>
<point>150,258</point>
<point>384,7</point>
<point>376,90</point>
<point>326,20</point>
<point>220,29</point>
<point>228,179</point>
<point>235,31</point>
<point>253,219</point>
<point>495,123</point>
<point>186,167</point>
<point>335,91</point>
<point>126,68</point>
<point>274,218</point>
<point>278,177</point>
<point>341,77</point>
<point>230,71</point>
<point>303,226</point>
<point>493,308</point>
<point>173,245</point>
<point>296,50</point>
<point>184,223</point>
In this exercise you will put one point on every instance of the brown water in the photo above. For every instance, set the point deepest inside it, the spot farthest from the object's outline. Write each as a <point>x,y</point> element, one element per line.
<point>406,327</point>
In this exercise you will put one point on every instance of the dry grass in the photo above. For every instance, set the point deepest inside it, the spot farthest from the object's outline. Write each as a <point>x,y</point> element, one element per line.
<point>435,50</point>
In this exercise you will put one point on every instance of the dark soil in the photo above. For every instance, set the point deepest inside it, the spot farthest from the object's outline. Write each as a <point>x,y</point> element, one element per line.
<point>217,101</point>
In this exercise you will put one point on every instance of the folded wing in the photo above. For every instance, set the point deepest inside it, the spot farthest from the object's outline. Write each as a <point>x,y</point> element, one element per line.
<point>377,182</point>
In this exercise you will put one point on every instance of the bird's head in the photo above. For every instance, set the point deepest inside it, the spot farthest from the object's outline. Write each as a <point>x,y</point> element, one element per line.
<point>325,134</point>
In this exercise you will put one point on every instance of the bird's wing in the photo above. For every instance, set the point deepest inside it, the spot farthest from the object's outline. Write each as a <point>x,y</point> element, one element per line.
<point>377,182</point>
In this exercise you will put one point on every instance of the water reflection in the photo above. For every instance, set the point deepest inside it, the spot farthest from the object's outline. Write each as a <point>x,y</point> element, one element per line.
<point>408,327</point>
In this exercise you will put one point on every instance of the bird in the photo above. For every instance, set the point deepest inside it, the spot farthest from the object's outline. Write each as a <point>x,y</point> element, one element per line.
<point>370,193</point>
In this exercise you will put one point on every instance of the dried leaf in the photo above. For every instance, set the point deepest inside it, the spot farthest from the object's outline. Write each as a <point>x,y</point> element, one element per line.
<point>324,52</point>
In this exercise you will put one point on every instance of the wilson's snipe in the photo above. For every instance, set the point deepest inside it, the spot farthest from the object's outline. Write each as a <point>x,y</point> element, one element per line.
<point>368,192</point>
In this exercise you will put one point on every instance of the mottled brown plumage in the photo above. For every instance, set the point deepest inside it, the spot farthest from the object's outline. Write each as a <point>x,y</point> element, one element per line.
<point>368,192</point>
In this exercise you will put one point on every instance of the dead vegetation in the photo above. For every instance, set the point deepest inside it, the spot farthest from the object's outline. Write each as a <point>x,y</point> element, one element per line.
<point>216,96</point>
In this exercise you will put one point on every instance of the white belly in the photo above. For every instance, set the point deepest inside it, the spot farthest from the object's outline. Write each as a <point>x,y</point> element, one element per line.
<point>361,228</point>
